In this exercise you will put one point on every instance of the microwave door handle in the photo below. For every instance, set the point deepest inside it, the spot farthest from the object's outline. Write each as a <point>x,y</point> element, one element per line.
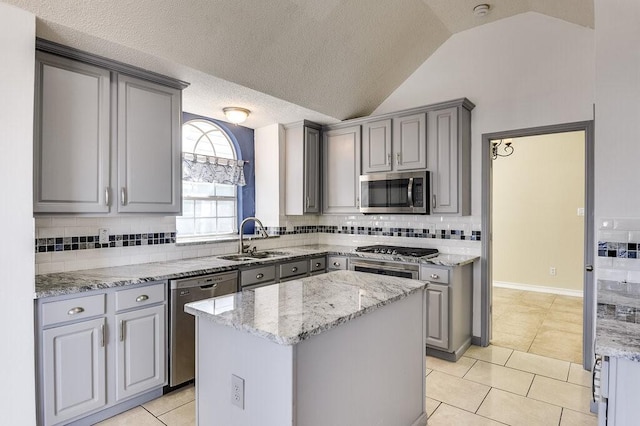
<point>410,192</point>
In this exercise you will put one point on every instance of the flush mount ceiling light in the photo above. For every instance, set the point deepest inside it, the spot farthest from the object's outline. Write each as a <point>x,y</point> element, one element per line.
<point>236,115</point>
<point>481,10</point>
<point>499,150</point>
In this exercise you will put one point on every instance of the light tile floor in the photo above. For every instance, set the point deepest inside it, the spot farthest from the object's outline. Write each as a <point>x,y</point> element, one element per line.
<point>539,323</point>
<point>487,386</point>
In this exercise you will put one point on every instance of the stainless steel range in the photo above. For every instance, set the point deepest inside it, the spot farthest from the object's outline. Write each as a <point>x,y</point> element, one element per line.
<point>390,262</point>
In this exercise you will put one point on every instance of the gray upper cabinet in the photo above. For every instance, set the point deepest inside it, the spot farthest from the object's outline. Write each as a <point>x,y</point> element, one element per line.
<point>302,168</point>
<point>410,142</point>
<point>341,170</point>
<point>149,147</point>
<point>396,144</point>
<point>71,136</point>
<point>376,147</point>
<point>449,146</point>
<point>104,141</point>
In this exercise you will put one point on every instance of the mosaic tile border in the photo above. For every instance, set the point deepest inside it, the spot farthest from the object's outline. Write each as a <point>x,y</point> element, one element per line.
<point>448,234</point>
<point>44,245</point>
<point>620,313</point>
<point>619,250</point>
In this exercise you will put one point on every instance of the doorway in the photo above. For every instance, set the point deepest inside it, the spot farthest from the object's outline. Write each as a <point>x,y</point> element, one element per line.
<point>535,279</point>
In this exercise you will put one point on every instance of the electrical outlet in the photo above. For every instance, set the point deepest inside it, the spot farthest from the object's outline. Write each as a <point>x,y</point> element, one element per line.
<point>580,211</point>
<point>237,391</point>
<point>552,271</point>
<point>103,234</point>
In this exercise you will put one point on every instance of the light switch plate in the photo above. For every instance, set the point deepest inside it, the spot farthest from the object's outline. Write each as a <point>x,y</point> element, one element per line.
<point>103,235</point>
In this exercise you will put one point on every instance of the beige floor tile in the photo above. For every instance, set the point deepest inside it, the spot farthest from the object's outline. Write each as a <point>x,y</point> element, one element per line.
<point>447,415</point>
<point>458,368</point>
<point>517,410</point>
<point>492,353</point>
<point>455,391</point>
<point>135,417</point>
<point>541,300</point>
<point>567,316</point>
<point>563,303</point>
<point>506,292</point>
<point>431,404</point>
<point>506,324</point>
<point>579,376</point>
<point>184,415</point>
<point>554,324</point>
<point>506,340</point>
<point>526,319</point>
<point>500,377</point>
<point>171,401</point>
<point>558,344</point>
<point>573,418</point>
<point>428,370</point>
<point>541,365</point>
<point>567,395</point>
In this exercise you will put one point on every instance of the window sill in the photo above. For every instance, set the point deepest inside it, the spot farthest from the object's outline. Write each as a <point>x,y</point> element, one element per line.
<point>193,241</point>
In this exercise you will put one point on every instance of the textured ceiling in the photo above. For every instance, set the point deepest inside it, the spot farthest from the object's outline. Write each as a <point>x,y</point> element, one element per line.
<point>283,59</point>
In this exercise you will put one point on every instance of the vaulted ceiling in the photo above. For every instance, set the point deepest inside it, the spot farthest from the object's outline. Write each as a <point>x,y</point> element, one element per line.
<point>283,59</point>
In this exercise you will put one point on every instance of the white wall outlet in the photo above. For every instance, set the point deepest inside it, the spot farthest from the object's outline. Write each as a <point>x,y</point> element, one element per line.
<point>103,235</point>
<point>552,271</point>
<point>289,226</point>
<point>580,211</point>
<point>237,391</point>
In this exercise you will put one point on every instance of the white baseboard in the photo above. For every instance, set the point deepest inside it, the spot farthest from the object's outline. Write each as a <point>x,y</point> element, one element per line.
<point>539,288</point>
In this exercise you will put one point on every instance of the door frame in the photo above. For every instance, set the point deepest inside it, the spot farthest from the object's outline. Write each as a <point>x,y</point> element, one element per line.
<point>588,322</point>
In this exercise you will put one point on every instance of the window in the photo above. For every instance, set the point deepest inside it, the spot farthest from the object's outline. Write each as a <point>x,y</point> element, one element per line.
<point>208,209</point>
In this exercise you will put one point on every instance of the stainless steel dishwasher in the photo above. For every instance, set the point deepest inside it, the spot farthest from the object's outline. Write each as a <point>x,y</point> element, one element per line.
<point>182,338</point>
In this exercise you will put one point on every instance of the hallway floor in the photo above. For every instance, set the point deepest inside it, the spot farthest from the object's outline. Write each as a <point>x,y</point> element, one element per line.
<point>487,386</point>
<point>539,323</point>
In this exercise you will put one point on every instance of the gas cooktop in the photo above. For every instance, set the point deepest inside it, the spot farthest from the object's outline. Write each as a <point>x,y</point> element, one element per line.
<point>403,251</point>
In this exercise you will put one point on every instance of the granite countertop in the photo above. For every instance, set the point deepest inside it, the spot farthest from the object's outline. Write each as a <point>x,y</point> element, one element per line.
<point>290,312</point>
<point>63,283</point>
<point>618,320</point>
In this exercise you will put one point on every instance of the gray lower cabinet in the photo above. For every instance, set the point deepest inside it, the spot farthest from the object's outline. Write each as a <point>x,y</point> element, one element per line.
<point>449,309</point>
<point>449,158</point>
<point>97,351</point>
<point>337,263</point>
<point>341,170</point>
<point>104,142</point>
<point>619,389</point>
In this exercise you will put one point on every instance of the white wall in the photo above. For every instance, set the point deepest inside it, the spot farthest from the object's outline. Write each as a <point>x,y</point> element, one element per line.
<point>17,47</point>
<point>525,71</point>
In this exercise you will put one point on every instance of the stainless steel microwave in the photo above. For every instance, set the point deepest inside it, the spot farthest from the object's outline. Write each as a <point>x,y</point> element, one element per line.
<point>396,192</point>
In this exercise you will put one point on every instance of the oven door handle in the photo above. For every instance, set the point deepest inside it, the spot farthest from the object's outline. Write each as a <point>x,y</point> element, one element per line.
<point>410,192</point>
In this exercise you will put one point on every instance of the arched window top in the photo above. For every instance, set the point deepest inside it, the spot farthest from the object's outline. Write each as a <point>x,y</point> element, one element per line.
<point>205,138</point>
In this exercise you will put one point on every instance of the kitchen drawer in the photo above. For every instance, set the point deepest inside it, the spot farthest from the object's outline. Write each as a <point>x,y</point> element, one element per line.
<point>258,275</point>
<point>140,296</point>
<point>434,275</point>
<point>317,264</point>
<point>73,309</point>
<point>337,262</point>
<point>292,269</point>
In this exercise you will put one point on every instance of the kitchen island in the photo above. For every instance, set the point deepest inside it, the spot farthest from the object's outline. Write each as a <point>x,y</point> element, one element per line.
<point>343,348</point>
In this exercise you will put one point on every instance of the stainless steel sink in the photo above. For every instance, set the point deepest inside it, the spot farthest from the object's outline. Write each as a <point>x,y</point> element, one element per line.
<point>243,257</point>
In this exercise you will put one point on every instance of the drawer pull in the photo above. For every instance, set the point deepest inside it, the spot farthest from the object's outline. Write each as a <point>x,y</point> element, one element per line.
<point>142,298</point>
<point>435,276</point>
<point>294,269</point>
<point>259,276</point>
<point>76,310</point>
<point>318,264</point>
<point>336,264</point>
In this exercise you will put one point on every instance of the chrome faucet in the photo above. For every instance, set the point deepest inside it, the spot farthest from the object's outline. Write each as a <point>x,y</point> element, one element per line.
<point>242,248</point>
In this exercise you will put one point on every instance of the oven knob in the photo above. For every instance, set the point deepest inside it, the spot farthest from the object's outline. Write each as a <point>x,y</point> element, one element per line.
<point>394,252</point>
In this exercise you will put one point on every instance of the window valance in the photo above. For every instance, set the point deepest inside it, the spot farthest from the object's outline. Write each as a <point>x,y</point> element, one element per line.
<point>203,168</point>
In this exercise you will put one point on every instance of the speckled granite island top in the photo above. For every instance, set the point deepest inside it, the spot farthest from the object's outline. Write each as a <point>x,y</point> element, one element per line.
<point>290,312</point>
<point>63,283</point>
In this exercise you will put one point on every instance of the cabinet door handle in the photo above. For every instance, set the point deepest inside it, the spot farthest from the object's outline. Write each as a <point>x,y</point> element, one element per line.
<point>294,269</point>
<point>123,196</point>
<point>336,264</point>
<point>435,276</point>
<point>122,330</point>
<point>389,159</point>
<point>76,310</point>
<point>358,202</point>
<point>259,276</point>
<point>142,298</point>
<point>308,202</point>
<point>398,161</point>
<point>433,201</point>
<point>107,199</point>
<point>102,335</point>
